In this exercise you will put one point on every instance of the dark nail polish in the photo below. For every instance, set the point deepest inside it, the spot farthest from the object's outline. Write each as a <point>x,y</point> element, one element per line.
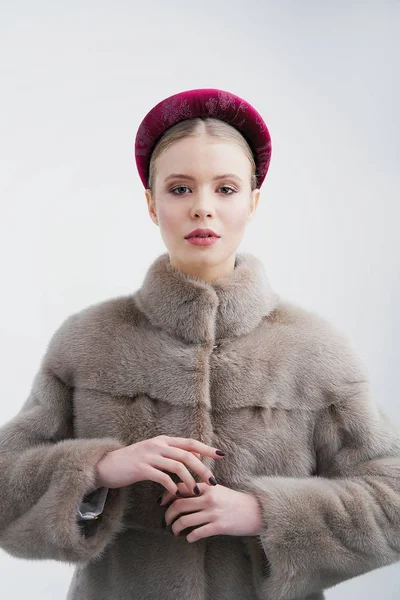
<point>159,500</point>
<point>177,493</point>
<point>212,480</point>
<point>196,490</point>
<point>220,453</point>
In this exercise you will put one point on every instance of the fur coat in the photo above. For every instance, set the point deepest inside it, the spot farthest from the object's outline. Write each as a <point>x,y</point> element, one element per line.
<point>231,364</point>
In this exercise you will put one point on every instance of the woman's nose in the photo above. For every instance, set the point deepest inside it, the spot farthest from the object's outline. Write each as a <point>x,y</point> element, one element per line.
<point>203,206</point>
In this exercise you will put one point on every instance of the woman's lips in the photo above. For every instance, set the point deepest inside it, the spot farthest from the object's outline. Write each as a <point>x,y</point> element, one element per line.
<point>202,241</point>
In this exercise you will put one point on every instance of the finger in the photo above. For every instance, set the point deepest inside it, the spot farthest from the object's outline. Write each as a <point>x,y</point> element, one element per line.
<point>191,461</point>
<point>194,446</point>
<point>183,492</point>
<point>182,506</point>
<point>201,532</point>
<point>193,519</point>
<point>158,476</point>
<point>174,466</point>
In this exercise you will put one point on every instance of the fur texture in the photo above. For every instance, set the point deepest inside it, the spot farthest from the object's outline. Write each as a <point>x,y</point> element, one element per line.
<point>232,365</point>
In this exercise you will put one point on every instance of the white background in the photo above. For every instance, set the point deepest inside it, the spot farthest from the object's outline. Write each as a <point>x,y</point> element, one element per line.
<point>76,80</point>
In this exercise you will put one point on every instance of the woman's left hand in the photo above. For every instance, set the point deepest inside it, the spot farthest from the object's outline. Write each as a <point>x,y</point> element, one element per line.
<point>218,510</point>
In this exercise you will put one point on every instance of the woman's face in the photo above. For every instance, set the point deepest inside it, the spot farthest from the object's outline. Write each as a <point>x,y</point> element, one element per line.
<point>203,195</point>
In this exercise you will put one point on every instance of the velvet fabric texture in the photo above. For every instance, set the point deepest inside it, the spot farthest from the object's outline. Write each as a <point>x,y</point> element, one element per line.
<point>231,364</point>
<point>203,102</point>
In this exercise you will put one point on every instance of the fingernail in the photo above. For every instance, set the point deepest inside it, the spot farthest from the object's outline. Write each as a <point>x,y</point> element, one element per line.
<point>220,453</point>
<point>159,500</point>
<point>196,490</point>
<point>212,480</point>
<point>177,493</point>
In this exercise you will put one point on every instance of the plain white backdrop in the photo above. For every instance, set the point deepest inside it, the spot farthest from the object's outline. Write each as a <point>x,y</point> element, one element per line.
<point>76,80</point>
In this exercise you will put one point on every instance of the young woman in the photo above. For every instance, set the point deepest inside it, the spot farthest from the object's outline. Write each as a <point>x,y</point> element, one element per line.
<point>201,438</point>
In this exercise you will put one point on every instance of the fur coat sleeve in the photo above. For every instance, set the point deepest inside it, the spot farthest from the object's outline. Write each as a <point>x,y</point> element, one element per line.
<point>345,520</point>
<point>46,474</point>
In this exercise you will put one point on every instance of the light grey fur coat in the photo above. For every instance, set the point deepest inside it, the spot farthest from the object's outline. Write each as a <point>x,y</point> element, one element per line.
<point>232,365</point>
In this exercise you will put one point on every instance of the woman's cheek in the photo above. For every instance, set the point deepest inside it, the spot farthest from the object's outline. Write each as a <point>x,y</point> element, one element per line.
<point>235,224</point>
<point>171,224</point>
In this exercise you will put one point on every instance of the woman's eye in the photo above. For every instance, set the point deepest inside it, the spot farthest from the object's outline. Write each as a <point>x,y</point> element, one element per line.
<point>226,187</point>
<point>223,187</point>
<point>180,187</point>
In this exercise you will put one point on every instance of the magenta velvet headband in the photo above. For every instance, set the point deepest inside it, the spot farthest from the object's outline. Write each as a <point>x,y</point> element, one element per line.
<point>199,103</point>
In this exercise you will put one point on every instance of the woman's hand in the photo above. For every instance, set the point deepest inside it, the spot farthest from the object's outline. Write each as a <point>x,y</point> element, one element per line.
<point>217,511</point>
<point>147,460</point>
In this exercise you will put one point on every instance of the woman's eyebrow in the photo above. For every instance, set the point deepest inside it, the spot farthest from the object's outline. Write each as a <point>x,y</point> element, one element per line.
<point>190,178</point>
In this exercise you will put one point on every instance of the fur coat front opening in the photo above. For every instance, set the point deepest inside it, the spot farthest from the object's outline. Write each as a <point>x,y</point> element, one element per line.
<point>230,364</point>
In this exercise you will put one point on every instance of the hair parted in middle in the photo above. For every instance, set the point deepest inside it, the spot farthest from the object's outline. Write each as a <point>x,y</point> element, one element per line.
<point>195,127</point>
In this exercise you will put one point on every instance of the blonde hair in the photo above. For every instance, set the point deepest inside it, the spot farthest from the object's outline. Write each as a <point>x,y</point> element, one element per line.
<point>195,127</point>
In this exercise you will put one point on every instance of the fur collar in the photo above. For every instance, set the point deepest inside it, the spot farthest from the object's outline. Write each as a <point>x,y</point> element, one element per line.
<point>197,311</point>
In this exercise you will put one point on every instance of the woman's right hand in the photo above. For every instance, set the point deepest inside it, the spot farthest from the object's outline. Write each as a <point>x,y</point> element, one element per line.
<point>148,459</point>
